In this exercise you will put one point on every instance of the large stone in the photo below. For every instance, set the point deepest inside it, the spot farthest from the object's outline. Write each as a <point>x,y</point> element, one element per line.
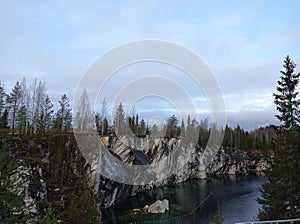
<point>158,206</point>
<point>232,169</point>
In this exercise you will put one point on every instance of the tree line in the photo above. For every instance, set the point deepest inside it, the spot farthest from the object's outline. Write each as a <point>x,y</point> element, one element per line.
<point>28,109</point>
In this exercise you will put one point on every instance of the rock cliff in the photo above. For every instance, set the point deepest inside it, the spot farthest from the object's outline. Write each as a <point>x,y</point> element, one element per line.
<point>188,162</point>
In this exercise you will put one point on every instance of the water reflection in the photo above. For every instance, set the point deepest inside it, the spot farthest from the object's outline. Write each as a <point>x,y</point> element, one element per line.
<point>195,201</point>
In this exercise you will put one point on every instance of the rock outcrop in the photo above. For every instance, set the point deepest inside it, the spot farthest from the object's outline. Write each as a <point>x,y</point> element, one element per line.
<point>187,161</point>
<point>262,165</point>
<point>157,207</point>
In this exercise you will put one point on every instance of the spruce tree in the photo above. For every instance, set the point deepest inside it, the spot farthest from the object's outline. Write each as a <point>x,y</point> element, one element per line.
<point>45,119</point>
<point>105,128</point>
<point>84,115</point>
<point>172,127</point>
<point>285,99</point>
<point>182,128</point>
<point>281,194</point>
<point>63,121</point>
<point>14,103</point>
<point>119,120</point>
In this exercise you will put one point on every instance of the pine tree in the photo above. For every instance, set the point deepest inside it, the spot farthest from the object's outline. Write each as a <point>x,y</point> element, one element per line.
<point>285,99</point>
<point>281,194</point>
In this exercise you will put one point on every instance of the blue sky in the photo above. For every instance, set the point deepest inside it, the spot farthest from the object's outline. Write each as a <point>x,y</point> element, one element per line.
<point>242,42</point>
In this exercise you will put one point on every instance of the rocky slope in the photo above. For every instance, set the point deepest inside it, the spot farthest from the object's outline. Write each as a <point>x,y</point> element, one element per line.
<point>187,161</point>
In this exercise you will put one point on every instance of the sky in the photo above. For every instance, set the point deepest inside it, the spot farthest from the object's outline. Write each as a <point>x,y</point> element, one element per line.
<point>242,42</point>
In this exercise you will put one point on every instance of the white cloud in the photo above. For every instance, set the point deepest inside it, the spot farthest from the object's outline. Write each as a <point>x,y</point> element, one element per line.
<point>243,43</point>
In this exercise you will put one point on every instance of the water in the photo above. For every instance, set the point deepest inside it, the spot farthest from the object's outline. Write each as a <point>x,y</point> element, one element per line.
<point>195,201</point>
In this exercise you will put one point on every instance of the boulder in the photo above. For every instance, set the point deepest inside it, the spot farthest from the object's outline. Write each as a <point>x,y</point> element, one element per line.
<point>232,169</point>
<point>158,207</point>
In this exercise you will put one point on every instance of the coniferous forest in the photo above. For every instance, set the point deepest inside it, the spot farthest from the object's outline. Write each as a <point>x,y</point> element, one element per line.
<point>45,178</point>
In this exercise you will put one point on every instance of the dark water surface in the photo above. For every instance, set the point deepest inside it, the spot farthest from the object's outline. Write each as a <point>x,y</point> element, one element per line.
<point>195,201</point>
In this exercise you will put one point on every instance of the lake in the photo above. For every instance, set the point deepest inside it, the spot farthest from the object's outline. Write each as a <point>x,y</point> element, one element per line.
<point>195,201</point>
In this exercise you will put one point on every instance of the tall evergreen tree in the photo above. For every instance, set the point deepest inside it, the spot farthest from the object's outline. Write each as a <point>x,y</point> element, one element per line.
<point>45,121</point>
<point>172,124</point>
<point>105,127</point>
<point>23,113</point>
<point>119,121</point>
<point>98,122</point>
<point>14,103</point>
<point>63,120</point>
<point>182,128</point>
<point>143,127</point>
<point>104,118</point>
<point>281,194</point>
<point>285,99</point>
<point>84,116</point>
<point>188,127</point>
<point>39,98</point>
<point>136,123</point>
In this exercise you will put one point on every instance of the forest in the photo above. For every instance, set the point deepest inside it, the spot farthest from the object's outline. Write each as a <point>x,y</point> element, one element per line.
<point>40,160</point>
<point>28,110</point>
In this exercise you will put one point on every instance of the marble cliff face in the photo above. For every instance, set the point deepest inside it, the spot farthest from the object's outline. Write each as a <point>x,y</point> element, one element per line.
<point>185,159</point>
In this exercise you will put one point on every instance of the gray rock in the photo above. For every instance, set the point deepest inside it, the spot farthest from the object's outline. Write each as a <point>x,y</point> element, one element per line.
<point>158,207</point>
